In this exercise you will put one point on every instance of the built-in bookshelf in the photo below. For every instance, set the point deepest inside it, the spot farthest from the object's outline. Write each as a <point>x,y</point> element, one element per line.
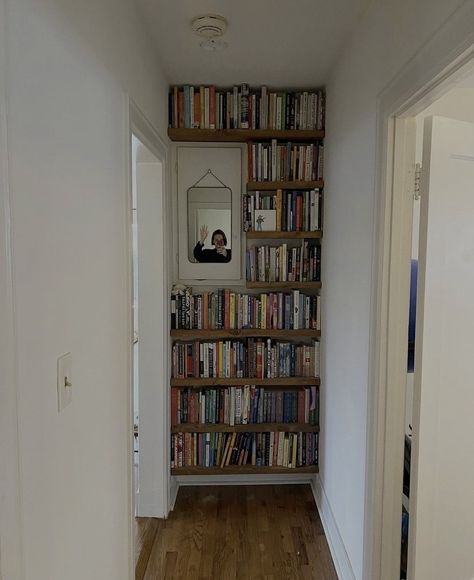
<point>245,364</point>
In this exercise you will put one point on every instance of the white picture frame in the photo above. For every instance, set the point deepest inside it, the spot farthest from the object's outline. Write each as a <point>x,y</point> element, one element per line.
<point>193,164</point>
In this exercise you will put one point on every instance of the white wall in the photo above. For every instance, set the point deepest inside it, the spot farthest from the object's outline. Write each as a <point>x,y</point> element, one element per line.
<point>69,64</point>
<point>390,34</point>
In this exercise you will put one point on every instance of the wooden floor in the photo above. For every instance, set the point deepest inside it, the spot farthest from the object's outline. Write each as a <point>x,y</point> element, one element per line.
<point>241,533</point>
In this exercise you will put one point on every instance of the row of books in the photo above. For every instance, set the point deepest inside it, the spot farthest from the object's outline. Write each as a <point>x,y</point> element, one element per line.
<point>244,405</point>
<point>205,107</point>
<point>245,359</point>
<point>282,211</point>
<point>226,309</point>
<point>284,263</point>
<point>285,162</point>
<point>274,449</point>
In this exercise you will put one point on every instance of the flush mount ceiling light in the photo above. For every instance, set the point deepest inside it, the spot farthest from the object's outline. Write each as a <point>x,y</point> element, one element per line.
<point>210,27</point>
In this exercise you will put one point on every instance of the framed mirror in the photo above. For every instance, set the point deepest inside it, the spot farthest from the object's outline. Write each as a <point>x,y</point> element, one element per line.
<point>210,224</point>
<point>209,194</point>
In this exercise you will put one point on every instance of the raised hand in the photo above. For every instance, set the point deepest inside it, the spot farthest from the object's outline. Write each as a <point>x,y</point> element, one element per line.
<point>204,232</point>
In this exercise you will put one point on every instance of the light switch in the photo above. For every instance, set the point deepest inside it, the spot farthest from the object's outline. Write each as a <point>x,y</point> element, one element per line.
<point>64,381</point>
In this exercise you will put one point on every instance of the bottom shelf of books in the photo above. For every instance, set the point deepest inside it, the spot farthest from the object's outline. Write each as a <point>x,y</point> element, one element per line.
<point>243,452</point>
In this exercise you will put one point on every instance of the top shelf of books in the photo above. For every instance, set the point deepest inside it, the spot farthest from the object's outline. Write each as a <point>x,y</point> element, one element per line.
<point>241,114</point>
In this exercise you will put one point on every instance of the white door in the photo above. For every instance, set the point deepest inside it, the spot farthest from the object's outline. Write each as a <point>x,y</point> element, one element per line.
<point>442,497</point>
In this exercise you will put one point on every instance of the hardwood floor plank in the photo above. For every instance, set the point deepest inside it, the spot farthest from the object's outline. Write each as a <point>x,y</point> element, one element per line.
<point>242,533</point>
<point>145,534</point>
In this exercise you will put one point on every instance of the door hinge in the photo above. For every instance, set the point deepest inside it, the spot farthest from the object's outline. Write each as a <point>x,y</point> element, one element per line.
<point>417,192</point>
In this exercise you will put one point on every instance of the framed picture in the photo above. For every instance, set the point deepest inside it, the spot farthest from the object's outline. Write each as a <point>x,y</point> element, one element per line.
<point>265,220</point>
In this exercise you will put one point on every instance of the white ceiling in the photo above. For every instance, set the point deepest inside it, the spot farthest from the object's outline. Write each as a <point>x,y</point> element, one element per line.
<point>281,43</point>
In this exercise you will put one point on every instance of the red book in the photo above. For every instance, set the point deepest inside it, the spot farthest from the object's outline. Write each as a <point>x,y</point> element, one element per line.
<point>301,406</point>
<point>174,406</point>
<point>212,107</point>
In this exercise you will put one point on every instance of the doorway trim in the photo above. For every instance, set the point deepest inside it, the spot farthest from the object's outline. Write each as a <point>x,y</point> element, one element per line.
<point>137,124</point>
<point>11,518</point>
<point>436,67</point>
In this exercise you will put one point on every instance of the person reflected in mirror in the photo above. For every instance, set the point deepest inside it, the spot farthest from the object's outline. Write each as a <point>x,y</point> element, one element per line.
<point>219,253</point>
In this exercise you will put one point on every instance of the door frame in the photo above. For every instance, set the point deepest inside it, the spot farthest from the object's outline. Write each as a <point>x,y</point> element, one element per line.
<point>138,124</point>
<point>11,534</point>
<point>435,68</point>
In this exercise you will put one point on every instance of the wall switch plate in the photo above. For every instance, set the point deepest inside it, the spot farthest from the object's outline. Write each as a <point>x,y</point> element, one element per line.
<point>64,381</point>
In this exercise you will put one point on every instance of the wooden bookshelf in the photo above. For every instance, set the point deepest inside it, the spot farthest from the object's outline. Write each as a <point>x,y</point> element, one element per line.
<point>218,382</point>
<point>253,235</point>
<point>288,285</point>
<point>185,334</point>
<point>249,428</point>
<point>242,469</point>
<point>274,185</point>
<point>293,384</point>
<point>243,135</point>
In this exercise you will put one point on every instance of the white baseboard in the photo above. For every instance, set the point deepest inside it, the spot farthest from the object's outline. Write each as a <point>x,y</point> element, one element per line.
<point>260,479</point>
<point>336,545</point>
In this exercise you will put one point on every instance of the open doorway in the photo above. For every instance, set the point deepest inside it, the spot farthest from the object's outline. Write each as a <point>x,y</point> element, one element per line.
<point>428,432</point>
<point>437,386</point>
<point>149,359</point>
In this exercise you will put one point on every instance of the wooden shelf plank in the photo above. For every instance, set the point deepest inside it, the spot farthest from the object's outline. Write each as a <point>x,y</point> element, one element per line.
<point>275,285</point>
<point>216,382</point>
<point>243,135</point>
<point>283,235</point>
<point>243,469</point>
<point>244,332</point>
<point>274,185</point>
<point>249,428</point>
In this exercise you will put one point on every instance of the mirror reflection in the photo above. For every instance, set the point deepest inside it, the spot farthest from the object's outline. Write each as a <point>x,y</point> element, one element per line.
<point>209,224</point>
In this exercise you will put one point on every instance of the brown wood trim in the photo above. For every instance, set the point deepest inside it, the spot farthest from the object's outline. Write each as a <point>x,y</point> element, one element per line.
<point>249,428</point>
<point>243,332</point>
<point>217,382</point>
<point>274,185</point>
<point>275,285</point>
<point>283,235</point>
<point>235,469</point>
<point>243,135</point>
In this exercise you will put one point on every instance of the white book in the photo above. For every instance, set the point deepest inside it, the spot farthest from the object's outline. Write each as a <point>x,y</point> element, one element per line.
<point>238,406</point>
<point>246,405</point>
<point>296,309</point>
<point>232,407</point>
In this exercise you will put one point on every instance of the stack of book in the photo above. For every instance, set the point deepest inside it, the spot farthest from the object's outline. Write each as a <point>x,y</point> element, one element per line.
<point>274,449</point>
<point>285,162</point>
<point>282,211</point>
<point>226,309</point>
<point>244,405</point>
<point>284,264</point>
<point>205,107</point>
<point>250,358</point>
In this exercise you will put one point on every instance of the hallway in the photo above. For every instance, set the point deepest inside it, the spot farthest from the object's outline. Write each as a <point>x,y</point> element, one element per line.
<point>245,533</point>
